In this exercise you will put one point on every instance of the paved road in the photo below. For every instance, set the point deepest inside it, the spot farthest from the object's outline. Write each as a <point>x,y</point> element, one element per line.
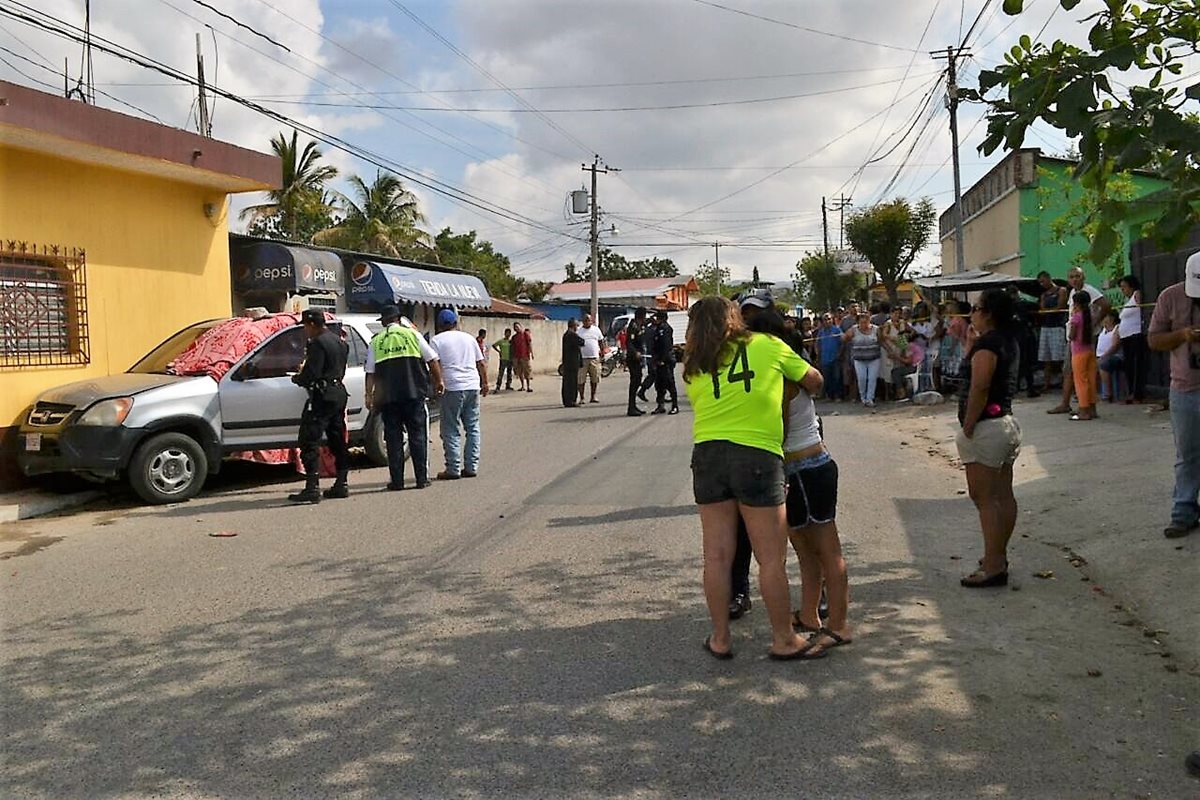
<point>536,632</point>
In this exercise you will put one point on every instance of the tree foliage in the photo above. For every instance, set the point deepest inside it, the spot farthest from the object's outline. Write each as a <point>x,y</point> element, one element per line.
<point>890,236</point>
<point>711,279</point>
<point>819,285</point>
<point>615,267</point>
<point>301,206</point>
<point>466,251</point>
<point>381,217</point>
<point>1149,127</point>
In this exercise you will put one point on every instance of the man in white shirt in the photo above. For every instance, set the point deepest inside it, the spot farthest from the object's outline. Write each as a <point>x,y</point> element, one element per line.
<point>1100,307</point>
<point>593,340</point>
<point>465,374</point>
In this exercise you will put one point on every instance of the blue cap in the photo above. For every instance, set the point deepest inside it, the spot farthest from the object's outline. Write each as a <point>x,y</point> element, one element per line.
<point>447,317</point>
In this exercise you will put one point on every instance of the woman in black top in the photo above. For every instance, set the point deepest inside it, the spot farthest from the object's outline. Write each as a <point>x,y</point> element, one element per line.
<point>990,438</point>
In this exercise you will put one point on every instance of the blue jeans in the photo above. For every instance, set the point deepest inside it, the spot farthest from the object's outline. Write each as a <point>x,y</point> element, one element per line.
<point>831,371</point>
<point>1185,421</point>
<point>460,408</point>
<point>868,374</point>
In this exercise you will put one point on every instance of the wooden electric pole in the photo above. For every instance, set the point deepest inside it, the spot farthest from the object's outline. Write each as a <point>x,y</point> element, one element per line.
<point>952,55</point>
<point>596,169</point>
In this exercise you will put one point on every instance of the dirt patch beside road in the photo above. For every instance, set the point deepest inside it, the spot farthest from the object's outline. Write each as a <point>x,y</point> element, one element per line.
<point>1094,498</point>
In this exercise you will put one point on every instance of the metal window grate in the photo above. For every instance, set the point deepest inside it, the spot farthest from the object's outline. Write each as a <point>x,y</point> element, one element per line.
<point>43,306</point>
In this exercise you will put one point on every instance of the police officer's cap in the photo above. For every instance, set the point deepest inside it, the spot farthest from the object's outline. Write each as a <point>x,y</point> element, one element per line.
<point>660,314</point>
<point>389,314</point>
<point>314,315</point>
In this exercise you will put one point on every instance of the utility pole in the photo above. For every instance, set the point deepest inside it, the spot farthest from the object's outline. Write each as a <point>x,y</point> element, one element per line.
<point>839,205</point>
<point>717,257</point>
<point>952,55</point>
<point>825,230</point>
<point>89,78</point>
<point>205,127</point>
<point>596,169</point>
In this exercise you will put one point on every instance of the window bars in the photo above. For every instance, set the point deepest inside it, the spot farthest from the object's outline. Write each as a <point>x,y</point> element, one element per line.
<point>43,306</point>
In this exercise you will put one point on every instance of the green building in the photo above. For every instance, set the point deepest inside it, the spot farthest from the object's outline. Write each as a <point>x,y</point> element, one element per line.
<point>1009,215</point>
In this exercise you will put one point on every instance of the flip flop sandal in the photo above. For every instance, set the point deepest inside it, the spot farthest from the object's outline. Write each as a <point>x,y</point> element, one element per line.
<point>838,641</point>
<point>800,626</point>
<point>728,654</point>
<point>803,654</point>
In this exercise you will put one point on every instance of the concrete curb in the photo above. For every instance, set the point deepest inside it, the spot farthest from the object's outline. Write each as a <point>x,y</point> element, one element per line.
<point>33,503</point>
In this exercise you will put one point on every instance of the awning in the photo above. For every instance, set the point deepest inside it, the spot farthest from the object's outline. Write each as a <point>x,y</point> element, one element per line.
<point>978,281</point>
<point>373,285</point>
<point>271,266</point>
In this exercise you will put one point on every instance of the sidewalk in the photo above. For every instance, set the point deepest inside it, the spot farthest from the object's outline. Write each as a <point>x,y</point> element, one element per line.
<point>1098,493</point>
<point>29,503</point>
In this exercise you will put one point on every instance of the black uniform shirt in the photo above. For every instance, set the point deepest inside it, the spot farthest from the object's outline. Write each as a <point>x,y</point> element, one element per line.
<point>324,360</point>
<point>635,342</point>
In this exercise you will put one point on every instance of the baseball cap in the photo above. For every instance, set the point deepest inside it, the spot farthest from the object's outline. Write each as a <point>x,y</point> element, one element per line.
<point>1191,276</point>
<point>389,313</point>
<point>447,317</point>
<point>313,315</point>
<point>760,298</point>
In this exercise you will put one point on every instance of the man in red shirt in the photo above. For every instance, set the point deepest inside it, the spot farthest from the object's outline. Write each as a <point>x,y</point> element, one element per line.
<point>522,355</point>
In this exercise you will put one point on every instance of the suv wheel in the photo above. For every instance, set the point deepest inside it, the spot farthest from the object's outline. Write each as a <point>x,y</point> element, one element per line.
<point>168,468</point>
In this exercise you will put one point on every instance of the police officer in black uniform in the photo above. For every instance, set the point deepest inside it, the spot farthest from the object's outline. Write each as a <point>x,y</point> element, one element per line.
<point>325,412</point>
<point>662,360</point>
<point>635,352</point>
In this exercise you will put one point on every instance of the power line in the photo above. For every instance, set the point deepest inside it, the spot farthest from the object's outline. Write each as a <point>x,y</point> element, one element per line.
<point>454,49</point>
<point>241,24</point>
<point>800,160</point>
<point>608,109</point>
<point>459,196</point>
<point>804,28</point>
<point>620,85</point>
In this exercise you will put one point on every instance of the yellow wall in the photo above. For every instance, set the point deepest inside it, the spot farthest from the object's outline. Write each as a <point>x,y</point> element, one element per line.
<point>994,234</point>
<point>155,262</point>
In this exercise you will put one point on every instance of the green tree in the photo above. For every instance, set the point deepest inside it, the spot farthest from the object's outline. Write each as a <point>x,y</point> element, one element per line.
<point>1146,125</point>
<point>382,217</point>
<point>301,206</point>
<point>819,285</point>
<point>467,252</point>
<point>534,291</point>
<point>615,267</point>
<point>891,236</point>
<point>711,279</point>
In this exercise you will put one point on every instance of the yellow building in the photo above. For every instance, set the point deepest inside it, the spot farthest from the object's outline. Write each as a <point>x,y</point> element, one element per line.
<point>113,235</point>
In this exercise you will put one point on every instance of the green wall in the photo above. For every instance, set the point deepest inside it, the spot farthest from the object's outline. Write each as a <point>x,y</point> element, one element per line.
<point>1039,252</point>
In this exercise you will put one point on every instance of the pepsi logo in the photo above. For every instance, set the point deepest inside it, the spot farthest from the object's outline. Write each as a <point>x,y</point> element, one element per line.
<point>306,272</point>
<point>361,273</point>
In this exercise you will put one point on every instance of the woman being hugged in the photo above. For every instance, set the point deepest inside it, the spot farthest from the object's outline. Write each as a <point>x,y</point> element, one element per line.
<point>734,380</point>
<point>990,439</point>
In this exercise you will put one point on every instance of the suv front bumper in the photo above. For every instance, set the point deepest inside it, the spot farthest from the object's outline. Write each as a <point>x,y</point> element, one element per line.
<point>100,451</point>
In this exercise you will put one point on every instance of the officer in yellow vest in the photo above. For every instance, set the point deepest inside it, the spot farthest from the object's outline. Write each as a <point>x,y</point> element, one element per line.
<point>402,371</point>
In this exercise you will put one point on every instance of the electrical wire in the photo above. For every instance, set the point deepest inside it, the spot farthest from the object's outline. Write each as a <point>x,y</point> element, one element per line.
<point>804,28</point>
<point>609,109</point>
<point>576,86</point>
<point>243,25</point>
<point>456,195</point>
<point>483,71</point>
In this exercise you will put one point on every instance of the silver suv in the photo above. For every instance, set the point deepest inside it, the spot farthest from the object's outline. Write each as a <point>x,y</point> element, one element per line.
<point>165,434</point>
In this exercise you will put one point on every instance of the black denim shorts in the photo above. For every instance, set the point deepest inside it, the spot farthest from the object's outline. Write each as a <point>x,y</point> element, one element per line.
<point>812,491</point>
<point>727,471</point>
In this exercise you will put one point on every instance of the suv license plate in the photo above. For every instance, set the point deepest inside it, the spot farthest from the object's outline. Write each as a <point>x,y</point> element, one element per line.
<point>33,442</point>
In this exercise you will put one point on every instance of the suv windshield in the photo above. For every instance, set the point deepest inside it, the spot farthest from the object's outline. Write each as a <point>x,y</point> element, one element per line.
<point>157,360</point>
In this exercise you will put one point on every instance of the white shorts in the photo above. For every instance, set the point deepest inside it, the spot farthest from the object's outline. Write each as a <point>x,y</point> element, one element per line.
<point>996,443</point>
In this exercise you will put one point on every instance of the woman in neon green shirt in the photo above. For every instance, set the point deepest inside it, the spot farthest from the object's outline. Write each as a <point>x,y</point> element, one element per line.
<point>734,380</point>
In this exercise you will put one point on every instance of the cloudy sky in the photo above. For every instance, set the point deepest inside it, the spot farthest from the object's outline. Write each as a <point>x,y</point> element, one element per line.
<point>727,127</point>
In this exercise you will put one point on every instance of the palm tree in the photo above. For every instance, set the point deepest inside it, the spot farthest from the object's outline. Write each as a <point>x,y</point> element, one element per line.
<point>383,218</point>
<point>301,206</point>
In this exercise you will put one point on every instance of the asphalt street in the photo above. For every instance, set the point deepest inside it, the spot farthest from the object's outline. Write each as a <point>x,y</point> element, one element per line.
<point>535,632</point>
